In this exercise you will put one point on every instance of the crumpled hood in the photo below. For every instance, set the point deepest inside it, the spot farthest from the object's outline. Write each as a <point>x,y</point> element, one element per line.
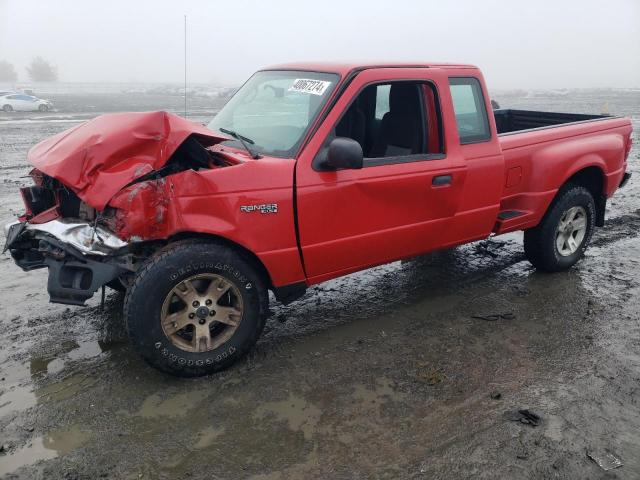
<point>98,158</point>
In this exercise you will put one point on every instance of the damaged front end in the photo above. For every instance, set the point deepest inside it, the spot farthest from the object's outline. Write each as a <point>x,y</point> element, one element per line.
<point>81,257</point>
<point>75,223</point>
<point>62,233</point>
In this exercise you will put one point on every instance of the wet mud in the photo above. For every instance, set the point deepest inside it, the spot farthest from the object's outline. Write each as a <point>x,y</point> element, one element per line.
<point>403,371</point>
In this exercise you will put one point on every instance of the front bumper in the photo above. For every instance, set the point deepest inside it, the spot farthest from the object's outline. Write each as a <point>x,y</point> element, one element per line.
<point>87,239</point>
<point>80,257</point>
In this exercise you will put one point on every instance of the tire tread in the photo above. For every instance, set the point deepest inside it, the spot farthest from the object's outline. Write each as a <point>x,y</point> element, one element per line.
<point>142,275</point>
<point>539,242</point>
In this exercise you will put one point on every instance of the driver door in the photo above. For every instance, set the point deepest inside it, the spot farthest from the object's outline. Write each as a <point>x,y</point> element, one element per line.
<point>399,204</point>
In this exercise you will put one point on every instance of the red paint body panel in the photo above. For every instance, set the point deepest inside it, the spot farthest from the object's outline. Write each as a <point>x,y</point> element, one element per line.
<point>548,157</point>
<point>347,220</point>
<point>378,214</point>
<point>208,201</point>
<point>99,157</point>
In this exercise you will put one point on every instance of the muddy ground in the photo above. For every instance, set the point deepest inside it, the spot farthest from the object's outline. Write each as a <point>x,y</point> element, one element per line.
<point>382,374</point>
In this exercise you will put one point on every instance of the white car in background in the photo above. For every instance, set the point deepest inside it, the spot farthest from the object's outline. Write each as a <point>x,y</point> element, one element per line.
<point>19,102</point>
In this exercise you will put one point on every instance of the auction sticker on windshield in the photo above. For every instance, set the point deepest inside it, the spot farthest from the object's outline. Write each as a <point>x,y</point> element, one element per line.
<point>306,85</point>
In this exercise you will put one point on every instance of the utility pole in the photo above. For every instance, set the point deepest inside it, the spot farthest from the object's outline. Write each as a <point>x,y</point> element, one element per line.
<point>185,66</point>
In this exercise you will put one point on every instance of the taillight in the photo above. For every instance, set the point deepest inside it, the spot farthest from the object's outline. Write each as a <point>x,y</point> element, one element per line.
<point>629,143</point>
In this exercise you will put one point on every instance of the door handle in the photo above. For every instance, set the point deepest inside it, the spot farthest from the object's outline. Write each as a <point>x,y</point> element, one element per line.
<point>441,180</point>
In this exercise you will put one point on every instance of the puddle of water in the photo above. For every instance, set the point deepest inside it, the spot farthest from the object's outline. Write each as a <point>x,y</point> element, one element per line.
<point>299,414</point>
<point>174,406</point>
<point>70,350</point>
<point>28,455</point>
<point>207,436</point>
<point>57,442</point>
<point>66,440</point>
<point>55,366</point>
<point>87,350</point>
<point>18,393</point>
<point>52,363</point>
<point>15,399</point>
<point>65,388</point>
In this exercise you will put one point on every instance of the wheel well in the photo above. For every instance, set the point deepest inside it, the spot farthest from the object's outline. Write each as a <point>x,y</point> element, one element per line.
<point>592,178</point>
<point>248,254</point>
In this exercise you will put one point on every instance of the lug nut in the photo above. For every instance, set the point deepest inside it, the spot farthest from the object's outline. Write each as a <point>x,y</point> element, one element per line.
<point>202,321</point>
<point>196,304</point>
<point>191,315</point>
<point>208,302</point>
<point>212,313</point>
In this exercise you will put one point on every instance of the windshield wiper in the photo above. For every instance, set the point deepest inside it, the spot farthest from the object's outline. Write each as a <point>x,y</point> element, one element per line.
<point>244,141</point>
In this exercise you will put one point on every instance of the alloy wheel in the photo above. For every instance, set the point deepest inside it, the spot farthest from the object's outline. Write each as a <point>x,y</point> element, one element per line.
<point>202,312</point>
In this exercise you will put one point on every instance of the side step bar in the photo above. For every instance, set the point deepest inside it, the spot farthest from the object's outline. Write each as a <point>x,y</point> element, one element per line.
<point>508,219</point>
<point>509,214</point>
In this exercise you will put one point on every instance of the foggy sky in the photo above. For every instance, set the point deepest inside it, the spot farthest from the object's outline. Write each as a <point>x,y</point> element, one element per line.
<point>517,43</point>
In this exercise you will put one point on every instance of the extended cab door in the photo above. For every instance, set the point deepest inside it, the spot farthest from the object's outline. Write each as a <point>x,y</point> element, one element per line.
<point>404,200</point>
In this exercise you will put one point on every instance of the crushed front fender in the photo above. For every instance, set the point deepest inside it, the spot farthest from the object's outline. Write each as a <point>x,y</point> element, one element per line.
<point>98,158</point>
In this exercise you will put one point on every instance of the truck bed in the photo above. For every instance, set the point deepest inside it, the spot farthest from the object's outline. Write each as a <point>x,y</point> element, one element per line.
<point>510,121</point>
<point>541,147</point>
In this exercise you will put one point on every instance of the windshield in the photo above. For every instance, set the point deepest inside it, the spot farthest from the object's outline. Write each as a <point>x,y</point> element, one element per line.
<point>274,109</point>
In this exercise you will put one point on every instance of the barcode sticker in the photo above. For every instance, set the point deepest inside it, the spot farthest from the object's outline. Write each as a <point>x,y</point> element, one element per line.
<point>306,85</point>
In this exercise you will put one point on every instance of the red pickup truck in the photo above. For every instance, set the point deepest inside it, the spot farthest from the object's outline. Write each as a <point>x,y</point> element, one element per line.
<point>310,172</point>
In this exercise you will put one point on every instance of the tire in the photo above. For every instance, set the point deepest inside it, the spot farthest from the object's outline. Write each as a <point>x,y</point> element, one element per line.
<point>549,246</point>
<point>43,108</point>
<point>7,108</point>
<point>157,293</point>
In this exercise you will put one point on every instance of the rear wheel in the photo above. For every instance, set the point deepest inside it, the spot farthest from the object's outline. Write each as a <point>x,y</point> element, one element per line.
<point>195,308</point>
<point>563,235</point>
<point>7,108</point>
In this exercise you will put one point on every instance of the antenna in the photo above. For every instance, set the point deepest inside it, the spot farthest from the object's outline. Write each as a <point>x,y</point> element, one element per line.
<point>185,66</point>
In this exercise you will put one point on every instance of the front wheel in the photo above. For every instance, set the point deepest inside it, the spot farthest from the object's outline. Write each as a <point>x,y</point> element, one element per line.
<point>43,108</point>
<point>563,235</point>
<point>195,308</point>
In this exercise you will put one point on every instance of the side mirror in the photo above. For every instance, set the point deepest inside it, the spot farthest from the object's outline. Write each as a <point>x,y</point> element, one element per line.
<point>344,153</point>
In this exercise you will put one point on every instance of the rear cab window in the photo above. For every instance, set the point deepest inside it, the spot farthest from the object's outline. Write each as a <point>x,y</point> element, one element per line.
<point>470,110</point>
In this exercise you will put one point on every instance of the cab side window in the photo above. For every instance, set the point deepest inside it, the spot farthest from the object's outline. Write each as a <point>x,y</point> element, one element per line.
<point>469,107</point>
<point>390,121</point>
